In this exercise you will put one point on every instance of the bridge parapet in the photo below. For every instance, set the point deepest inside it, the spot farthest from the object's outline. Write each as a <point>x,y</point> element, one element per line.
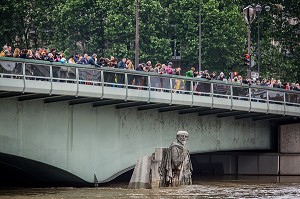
<point>30,76</point>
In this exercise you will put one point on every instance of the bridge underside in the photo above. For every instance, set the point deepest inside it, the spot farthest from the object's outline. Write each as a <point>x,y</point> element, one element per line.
<point>144,106</point>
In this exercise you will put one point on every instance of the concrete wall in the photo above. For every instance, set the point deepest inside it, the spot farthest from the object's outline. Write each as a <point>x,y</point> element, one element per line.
<point>104,141</point>
<point>290,138</point>
<point>290,149</point>
<point>233,163</point>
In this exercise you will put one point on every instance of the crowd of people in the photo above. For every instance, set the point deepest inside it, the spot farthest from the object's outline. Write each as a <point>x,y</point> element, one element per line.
<point>53,56</point>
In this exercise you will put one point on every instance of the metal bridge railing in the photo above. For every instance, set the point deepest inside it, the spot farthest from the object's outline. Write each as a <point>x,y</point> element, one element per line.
<point>130,79</point>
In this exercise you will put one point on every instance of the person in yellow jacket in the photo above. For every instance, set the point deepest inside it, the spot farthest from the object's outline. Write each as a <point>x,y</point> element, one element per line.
<point>179,83</point>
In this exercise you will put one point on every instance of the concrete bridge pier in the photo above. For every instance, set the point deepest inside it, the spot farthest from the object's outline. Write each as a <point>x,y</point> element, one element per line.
<point>282,160</point>
<point>289,149</point>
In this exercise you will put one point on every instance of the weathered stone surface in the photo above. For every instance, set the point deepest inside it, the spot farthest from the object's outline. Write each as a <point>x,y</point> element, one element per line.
<point>166,167</point>
<point>290,147</point>
<point>146,172</point>
<point>289,165</point>
<point>155,167</point>
<point>141,174</point>
<point>177,163</point>
<point>290,138</point>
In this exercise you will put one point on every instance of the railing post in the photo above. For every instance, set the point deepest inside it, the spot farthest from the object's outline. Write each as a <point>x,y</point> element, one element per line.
<point>171,86</point>
<point>250,98</point>
<point>24,76</point>
<point>149,87</point>
<point>77,80</point>
<point>192,92</point>
<point>212,95</point>
<point>126,86</point>
<point>51,79</point>
<point>284,103</point>
<point>102,81</point>
<point>231,96</point>
<point>268,102</point>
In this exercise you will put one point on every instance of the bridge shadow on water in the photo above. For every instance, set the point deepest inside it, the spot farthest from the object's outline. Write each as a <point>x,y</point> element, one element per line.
<point>21,172</point>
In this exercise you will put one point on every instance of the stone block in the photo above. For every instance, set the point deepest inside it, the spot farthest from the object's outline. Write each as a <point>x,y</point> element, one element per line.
<point>155,166</point>
<point>228,162</point>
<point>141,174</point>
<point>289,165</point>
<point>268,164</point>
<point>248,165</point>
<point>290,138</point>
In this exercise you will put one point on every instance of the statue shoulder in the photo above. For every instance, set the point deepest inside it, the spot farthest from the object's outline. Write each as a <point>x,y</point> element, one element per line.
<point>174,144</point>
<point>177,146</point>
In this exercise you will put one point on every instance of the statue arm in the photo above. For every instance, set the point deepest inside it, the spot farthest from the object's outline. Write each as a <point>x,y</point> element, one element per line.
<point>177,157</point>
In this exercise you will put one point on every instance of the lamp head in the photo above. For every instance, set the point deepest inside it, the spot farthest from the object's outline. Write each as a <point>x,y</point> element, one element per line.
<point>258,8</point>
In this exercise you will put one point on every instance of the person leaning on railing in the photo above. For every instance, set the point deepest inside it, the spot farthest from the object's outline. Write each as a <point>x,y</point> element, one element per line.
<point>130,66</point>
<point>53,56</point>
<point>92,60</point>
<point>189,73</point>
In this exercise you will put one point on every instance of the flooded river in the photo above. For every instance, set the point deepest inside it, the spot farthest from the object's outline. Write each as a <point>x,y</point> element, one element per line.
<point>241,187</point>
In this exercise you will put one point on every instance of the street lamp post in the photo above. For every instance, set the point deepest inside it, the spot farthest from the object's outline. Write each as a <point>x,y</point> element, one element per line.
<point>249,13</point>
<point>200,39</point>
<point>137,35</point>
<point>258,9</point>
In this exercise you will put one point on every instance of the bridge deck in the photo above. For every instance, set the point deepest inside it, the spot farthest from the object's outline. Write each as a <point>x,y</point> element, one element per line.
<point>100,93</point>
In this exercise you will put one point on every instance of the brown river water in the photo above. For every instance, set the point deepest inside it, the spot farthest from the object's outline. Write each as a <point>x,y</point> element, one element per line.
<point>225,187</point>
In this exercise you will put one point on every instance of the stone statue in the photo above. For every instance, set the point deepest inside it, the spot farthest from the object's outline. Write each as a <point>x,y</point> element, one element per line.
<point>165,167</point>
<point>176,168</point>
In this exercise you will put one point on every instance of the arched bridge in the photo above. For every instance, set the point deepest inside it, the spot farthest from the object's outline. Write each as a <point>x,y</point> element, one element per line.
<point>96,122</point>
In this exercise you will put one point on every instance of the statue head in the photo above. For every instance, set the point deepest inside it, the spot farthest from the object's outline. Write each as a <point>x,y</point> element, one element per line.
<point>182,137</point>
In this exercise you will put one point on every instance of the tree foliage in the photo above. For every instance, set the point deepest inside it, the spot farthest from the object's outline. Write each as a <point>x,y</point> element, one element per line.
<point>108,28</point>
<point>27,24</point>
<point>279,38</point>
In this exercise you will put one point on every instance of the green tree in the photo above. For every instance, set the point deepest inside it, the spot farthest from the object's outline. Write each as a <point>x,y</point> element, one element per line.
<point>223,32</point>
<point>26,24</point>
<point>153,24</point>
<point>108,28</point>
<point>279,40</point>
<point>79,25</point>
<point>119,29</point>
